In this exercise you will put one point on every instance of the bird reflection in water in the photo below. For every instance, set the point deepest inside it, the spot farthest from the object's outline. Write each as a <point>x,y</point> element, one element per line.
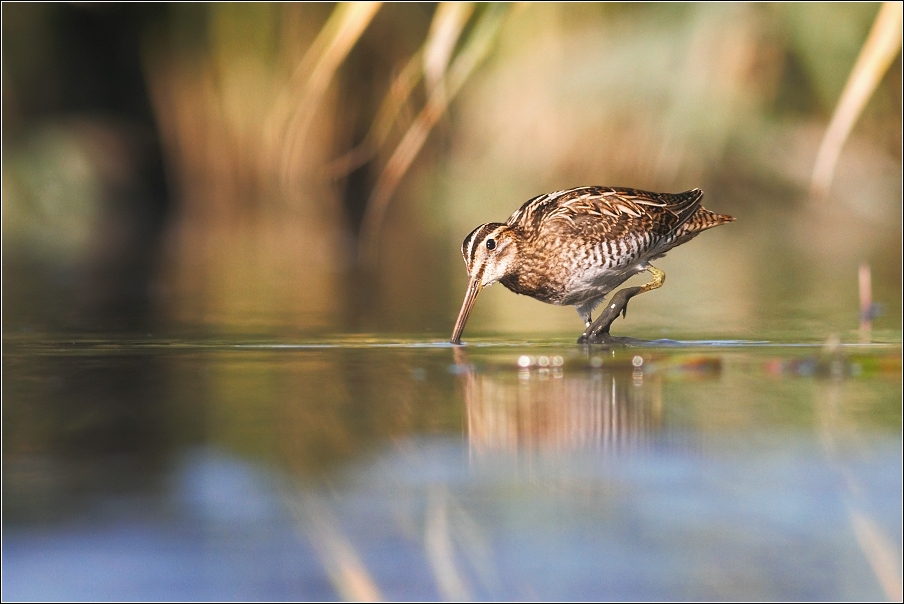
<point>543,407</point>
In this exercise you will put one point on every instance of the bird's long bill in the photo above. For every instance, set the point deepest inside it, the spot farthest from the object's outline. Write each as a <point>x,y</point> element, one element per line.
<point>470,296</point>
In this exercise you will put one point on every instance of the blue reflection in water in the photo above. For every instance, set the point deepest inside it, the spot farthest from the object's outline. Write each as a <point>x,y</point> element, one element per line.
<point>220,533</point>
<point>222,489</point>
<point>422,521</point>
<point>504,474</point>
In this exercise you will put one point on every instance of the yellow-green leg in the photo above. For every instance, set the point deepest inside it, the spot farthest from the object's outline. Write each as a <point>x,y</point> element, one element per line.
<point>656,283</point>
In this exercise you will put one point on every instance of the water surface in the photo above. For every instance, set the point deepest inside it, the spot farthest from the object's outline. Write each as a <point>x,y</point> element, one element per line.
<point>359,468</point>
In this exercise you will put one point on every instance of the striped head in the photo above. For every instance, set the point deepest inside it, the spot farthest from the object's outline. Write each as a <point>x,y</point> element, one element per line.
<point>489,252</point>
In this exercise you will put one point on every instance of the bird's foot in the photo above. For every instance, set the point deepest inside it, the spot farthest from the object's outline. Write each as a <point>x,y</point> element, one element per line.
<point>598,331</point>
<point>607,340</point>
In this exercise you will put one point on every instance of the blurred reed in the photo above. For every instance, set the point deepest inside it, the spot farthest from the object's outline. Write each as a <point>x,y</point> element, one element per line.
<point>440,94</point>
<point>343,564</point>
<point>303,142</point>
<point>298,102</point>
<point>262,230</point>
<point>876,56</point>
<point>258,234</point>
<point>865,289</point>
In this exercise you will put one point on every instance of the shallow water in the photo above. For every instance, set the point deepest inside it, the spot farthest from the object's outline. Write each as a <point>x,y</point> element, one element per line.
<point>364,468</point>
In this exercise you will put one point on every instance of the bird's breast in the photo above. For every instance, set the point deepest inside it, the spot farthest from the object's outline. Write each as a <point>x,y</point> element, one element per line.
<point>534,284</point>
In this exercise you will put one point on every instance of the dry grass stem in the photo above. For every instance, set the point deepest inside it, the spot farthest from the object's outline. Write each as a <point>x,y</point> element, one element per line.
<point>445,30</point>
<point>295,109</point>
<point>881,47</point>
<point>431,60</point>
<point>475,51</point>
<point>440,551</point>
<point>343,565</point>
<point>880,553</point>
<point>866,301</point>
<point>399,92</point>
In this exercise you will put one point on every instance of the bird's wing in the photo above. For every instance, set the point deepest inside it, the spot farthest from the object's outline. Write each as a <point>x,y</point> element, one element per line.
<point>663,212</point>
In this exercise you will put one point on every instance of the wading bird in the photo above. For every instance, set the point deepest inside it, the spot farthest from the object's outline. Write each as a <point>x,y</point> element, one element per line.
<point>572,248</point>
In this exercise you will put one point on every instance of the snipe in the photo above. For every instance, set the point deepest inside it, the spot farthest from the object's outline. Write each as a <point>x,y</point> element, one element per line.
<point>574,247</point>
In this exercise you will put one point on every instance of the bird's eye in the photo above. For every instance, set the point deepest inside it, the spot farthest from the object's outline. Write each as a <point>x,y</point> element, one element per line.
<point>491,244</point>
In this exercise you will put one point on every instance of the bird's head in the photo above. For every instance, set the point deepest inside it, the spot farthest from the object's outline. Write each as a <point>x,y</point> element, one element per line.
<point>489,252</point>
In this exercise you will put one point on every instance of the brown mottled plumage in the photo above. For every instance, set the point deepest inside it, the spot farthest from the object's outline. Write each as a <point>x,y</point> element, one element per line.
<point>574,247</point>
